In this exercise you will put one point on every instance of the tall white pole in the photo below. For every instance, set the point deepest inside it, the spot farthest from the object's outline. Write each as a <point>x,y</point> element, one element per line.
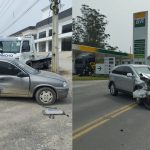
<point>55,54</point>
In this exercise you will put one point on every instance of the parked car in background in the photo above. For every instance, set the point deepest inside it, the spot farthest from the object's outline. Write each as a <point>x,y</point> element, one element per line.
<point>20,80</point>
<point>132,79</point>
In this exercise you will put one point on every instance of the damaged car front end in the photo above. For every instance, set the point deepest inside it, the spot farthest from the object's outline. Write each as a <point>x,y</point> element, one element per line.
<point>142,90</point>
<point>132,79</point>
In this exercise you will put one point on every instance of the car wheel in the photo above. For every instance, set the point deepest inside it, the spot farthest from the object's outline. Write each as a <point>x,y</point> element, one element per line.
<point>113,90</point>
<point>45,96</point>
<point>139,101</point>
<point>146,103</point>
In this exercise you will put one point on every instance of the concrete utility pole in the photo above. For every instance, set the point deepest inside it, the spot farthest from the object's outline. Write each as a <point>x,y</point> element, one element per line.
<point>54,6</point>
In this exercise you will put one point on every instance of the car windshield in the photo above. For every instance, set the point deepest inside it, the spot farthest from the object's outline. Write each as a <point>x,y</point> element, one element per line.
<point>27,68</point>
<point>145,70</point>
<point>10,46</point>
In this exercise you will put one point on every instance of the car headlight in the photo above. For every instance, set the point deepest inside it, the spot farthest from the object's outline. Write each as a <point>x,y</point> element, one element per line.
<point>64,84</point>
<point>142,85</point>
<point>145,86</point>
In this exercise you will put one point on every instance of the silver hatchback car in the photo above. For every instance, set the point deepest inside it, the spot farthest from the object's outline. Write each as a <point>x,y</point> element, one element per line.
<point>19,80</point>
<point>133,79</point>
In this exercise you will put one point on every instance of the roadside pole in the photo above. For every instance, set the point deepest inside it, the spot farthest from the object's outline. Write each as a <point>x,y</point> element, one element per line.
<point>54,6</point>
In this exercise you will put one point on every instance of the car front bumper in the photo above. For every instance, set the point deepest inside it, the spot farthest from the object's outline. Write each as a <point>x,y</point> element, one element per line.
<point>62,93</point>
<point>141,93</point>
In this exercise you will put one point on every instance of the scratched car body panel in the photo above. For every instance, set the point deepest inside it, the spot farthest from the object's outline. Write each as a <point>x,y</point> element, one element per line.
<point>20,80</point>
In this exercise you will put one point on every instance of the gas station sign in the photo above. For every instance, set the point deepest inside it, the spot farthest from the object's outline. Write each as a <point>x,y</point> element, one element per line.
<point>139,48</point>
<point>139,19</point>
<point>140,37</point>
<point>105,67</point>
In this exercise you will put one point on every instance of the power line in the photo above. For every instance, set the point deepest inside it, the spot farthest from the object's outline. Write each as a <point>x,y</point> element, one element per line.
<point>13,12</point>
<point>4,4</point>
<point>27,10</point>
<point>5,10</point>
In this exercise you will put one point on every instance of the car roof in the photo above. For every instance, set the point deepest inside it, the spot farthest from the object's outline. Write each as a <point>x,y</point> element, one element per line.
<point>132,65</point>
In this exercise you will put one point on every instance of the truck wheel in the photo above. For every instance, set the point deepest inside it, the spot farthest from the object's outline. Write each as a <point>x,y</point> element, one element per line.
<point>45,96</point>
<point>46,65</point>
<point>113,90</point>
<point>146,103</point>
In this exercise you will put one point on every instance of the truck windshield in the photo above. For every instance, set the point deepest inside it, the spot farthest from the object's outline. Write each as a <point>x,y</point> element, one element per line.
<point>10,46</point>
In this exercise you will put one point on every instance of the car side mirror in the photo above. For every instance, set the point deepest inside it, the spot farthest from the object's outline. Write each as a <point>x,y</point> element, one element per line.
<point>129,75</point>
<point>22,74</point>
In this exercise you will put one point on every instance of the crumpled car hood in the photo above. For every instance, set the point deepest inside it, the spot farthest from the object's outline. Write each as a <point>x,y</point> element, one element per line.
<point>146,75</point>
<point>51,75</point>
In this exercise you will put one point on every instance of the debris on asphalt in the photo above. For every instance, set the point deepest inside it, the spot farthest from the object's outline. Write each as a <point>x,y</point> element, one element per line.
<point>121,130</point>
<point>52,112</point>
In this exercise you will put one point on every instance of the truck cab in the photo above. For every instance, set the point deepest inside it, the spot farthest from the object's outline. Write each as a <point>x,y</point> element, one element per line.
<point>23,48</point>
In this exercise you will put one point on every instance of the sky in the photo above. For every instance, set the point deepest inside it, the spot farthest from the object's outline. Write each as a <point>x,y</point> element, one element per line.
<point>12,9</point>
<point>120,18</point>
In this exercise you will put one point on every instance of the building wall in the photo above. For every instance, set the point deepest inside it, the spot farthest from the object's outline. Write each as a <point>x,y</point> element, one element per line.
<point>47,39</point>
<point>42,38</point>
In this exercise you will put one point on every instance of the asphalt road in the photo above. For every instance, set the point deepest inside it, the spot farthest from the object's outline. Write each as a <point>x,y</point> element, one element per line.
<point>104,122</point>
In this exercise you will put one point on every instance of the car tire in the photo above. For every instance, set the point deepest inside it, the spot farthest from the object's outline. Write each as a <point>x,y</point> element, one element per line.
<point>113,90</point>
<point>139,101</point>
<point>146,103</point>
<point>45,96</point>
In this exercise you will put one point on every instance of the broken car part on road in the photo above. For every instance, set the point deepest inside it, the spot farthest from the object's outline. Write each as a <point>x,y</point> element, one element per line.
<point>52,112</point>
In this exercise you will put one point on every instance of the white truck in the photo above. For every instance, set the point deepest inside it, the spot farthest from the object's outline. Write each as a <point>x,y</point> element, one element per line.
<point>23,48</point>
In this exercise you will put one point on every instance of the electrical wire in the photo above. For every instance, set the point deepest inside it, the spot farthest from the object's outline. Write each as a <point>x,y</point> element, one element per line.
<point>15,12</point>
<point>4,5</point>
<point>19,17</point>
<point>8,6</point>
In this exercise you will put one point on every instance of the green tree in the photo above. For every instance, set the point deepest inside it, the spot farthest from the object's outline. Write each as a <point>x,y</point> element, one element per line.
<point>89,28</point>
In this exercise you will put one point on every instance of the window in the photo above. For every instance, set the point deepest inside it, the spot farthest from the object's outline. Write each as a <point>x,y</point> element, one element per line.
<point>66,44</point>
<point>35,36</point>
<point>141,69</point>
<point>118,70</point>
<point>78,61</point>
<point>42,46</point>
<point>50,32</point>
<point>123,70</point>
<point>126,70</point>
<point>8,69</point>
<point>10,46</point>
<point>26,46</point>
<point>67,28</point>
<point>42,34</point>
<point>50,46</point>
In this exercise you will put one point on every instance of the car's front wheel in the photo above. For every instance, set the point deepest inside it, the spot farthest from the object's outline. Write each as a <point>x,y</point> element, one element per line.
<point>113,90</point>
<point>45,96</point>
<point>146,103</point>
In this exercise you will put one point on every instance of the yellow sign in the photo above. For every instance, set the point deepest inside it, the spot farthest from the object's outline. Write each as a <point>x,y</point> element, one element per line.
<point>139,15</point>
<point>87,48</point>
